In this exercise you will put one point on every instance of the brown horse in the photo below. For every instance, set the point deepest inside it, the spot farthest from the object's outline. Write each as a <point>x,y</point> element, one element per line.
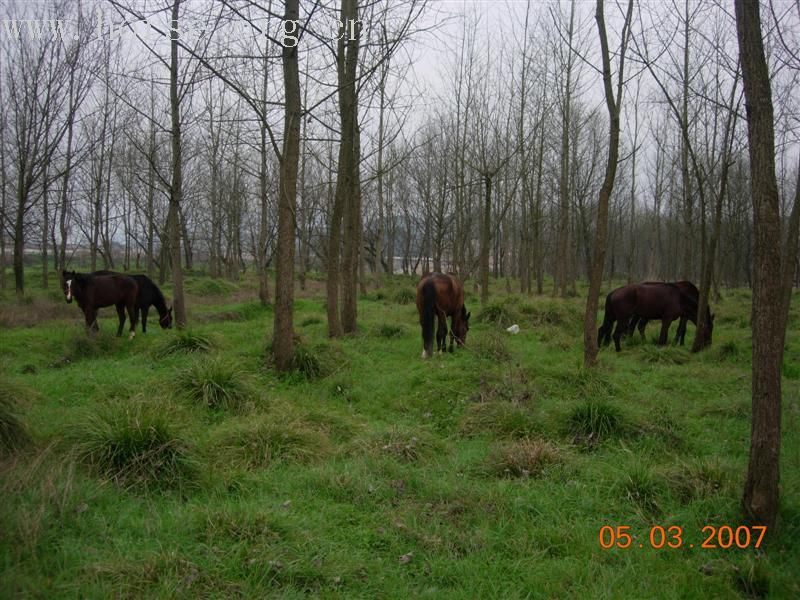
<point>442,296</point>
<point>688,288</point>
<point>665,302</point>
<point>96,291</point>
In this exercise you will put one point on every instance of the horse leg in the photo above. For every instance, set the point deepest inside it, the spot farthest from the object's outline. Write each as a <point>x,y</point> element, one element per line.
<point>642,325</point>
<point>662,338</point>
<point>679,337</point>
<point>133,316</point>
<point>90,314</point>
<point>441,333</point>
<point>121,315</point>
<point>620,328</point>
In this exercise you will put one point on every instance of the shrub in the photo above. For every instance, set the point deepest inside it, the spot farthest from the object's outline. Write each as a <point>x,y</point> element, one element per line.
<point>524,458</point>
<point>13,432</point>
<point>310,321</point>
<point>134,446</point>
<point>186,342</point>
<point>215,384</point>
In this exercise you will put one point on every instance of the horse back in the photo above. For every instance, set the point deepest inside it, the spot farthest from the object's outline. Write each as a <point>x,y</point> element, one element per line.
<point>448,289</point>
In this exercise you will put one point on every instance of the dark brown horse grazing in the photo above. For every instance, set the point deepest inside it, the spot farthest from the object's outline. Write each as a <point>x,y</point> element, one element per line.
<point>96,291</point>
<point>149,295</point>
<point>442,296</point>
<point>688,288</point>
<point>665,302</point>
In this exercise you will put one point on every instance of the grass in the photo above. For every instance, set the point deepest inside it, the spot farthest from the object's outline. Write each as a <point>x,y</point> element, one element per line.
<point>181,464</point>
<point>135,447</point>
<point>13,431</point>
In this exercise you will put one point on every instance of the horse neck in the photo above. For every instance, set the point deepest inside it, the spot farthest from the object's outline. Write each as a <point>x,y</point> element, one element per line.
<point>159,302</point>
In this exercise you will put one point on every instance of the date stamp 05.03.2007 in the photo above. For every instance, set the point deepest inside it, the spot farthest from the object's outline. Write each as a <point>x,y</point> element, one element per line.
<point>674,537</point>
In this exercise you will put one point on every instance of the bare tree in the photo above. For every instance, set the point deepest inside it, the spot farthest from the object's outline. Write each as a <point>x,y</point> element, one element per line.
<point>760,499</point>
<point>613,103</point>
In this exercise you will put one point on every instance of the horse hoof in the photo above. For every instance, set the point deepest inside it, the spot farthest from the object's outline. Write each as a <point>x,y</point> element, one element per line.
<point>424,354</point>
<point>132,335</point>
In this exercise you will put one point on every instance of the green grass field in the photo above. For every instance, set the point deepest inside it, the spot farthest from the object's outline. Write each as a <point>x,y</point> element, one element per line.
<point>185,466</point>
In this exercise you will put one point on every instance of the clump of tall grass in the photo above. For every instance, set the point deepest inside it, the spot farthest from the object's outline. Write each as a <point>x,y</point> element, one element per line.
<point>595,420</point>
<point>313,361</point>
<point>523,458</point>
<point>664,355</point>
<point>696,480</point>
<point>642,488</point>
<point>135,446</point>
<point>215,384</point>
<point>490,346</point>
<point>497,313</point>
<point>404,445</point>
<point>210,287</point>
<point>502,419</point>
<point>389,331</point>
<point>79,345</point>
<point>404,296</point>
<point>265,441</point>
<point>185,342</point>
<point>13,431</point>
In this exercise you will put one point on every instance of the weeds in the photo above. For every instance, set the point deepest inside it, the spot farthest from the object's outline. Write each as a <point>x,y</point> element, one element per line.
<point>523,458</point>
<point>185,342</point>
<point>13,432</point>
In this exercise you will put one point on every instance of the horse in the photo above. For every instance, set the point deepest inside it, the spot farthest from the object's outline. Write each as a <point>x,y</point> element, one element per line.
<point>441,295</point>
<point>664,301</point>
<point>93,292</point>
<point>149,295</point>
<point>688,288</point>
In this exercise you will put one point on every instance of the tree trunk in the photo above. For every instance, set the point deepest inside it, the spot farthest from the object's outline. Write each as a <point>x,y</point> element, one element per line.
<point>486,238</point>
<point>760,498</point>
<point>176,188</point>
<point>613,106</point>
<point>283,331</point>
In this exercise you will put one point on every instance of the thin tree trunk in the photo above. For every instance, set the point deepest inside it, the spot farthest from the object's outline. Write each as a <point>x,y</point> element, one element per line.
<point>613,105</point>
<point>283,330</point>
<point>760,498</point>
<point>176,188</point>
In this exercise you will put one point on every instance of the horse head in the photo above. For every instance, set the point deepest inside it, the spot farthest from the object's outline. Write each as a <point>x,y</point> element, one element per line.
<point>166,320</point>
<point>68,279</point>
<point>461,326</point>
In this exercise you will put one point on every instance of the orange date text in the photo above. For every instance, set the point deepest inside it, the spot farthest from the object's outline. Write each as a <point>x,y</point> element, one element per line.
<point>723,536</point>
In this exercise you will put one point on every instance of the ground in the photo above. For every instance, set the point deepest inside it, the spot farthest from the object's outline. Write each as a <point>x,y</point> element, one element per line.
<point>183,465</point>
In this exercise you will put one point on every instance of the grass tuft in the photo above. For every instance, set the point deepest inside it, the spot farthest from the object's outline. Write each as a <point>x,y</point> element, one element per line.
<point>135,447</point>
<point>642,488</point>
<point>502,419</point>
<point>664,355</point>
<point>523,458</point>
<point>185,342</point>
<point>313,361</point>
<point>263,442</point>
<point>390,331</point>
<point>594,421</point>
<point>215,384</point>
<point>497,313</point>
<point>490,346</point>
<point>80,346</point>
<point>404,296</point>
<point>697,480</point>
<point>13,432</point>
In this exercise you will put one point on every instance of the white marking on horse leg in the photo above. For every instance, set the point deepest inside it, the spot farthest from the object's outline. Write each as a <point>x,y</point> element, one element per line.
<point>69,290</point>
<point>132,335</point>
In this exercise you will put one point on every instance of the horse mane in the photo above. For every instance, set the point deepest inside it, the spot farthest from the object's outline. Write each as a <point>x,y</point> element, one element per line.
<point>158,300</point>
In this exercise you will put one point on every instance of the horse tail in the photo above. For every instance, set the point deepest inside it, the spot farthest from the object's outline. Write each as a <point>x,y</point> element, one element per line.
<point>604,333</point>
<point>427,316</point>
